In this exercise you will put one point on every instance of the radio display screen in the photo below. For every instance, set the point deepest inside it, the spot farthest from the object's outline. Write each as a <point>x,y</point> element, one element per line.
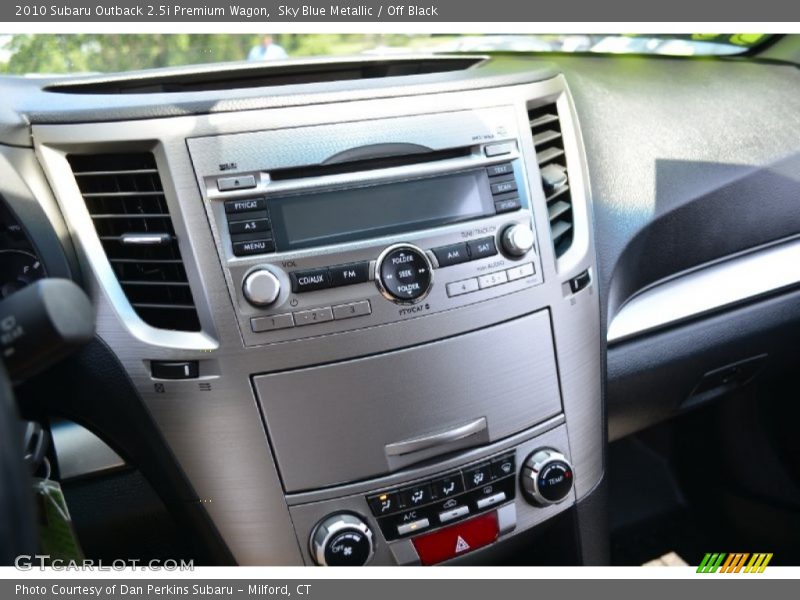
<point>319,219</point>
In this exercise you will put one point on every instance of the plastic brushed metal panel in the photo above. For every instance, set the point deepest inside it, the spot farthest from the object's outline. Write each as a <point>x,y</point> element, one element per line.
<point>352,410</point>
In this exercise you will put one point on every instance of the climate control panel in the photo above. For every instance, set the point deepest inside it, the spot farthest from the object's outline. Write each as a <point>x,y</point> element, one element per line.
<point>446,515</point>
<point>445,500</point>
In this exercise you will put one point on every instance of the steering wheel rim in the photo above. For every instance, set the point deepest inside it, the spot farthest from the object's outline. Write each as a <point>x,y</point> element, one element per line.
<point>17,525</point>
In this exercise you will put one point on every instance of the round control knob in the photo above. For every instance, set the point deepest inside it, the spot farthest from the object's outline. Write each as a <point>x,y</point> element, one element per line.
<point>342,540</point>
<point>517,239</point>
<point>261,287</point>
<point>404,274</point>
<point>546,477</point>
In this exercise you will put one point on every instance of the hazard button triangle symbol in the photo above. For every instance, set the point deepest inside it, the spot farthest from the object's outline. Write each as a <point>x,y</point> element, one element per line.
<point>461,545</point>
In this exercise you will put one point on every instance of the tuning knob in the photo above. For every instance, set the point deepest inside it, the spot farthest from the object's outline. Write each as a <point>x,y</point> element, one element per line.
<point>546,477</point>
<point>342,540</point>
<point>517,239</point>
<point>261,287</point>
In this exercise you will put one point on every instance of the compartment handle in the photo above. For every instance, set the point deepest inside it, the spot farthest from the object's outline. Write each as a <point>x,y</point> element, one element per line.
<point>427,442</point>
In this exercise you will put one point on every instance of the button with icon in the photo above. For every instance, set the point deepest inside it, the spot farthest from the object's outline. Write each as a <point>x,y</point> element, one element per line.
<point>503,466</point>
<point>416,496</point>
<point>477,476</point>
<point>384,504</point>
<point>448,486</point>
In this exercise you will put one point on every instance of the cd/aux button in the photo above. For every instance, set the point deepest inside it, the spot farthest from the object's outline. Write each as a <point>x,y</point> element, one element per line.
<point>307,281</point>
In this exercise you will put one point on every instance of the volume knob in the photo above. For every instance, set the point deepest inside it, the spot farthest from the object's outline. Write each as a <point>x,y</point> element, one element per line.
<point>261,287</point>
<point>517,239</point>
<point>342,540</point>
<point>546,477</point>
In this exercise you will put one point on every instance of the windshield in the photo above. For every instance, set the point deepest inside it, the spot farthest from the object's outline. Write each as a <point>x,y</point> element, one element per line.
<point>81,53</point>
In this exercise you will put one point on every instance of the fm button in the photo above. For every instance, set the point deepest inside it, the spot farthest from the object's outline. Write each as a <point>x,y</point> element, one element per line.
<point>404,274</point>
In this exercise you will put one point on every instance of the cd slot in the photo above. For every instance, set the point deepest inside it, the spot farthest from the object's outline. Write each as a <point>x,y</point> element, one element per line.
<point>368,164</point>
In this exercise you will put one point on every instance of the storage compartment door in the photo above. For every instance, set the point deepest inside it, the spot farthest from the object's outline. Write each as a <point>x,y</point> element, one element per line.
<point>361,418</point>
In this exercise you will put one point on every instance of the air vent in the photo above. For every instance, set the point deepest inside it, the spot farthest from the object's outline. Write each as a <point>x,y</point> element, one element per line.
<point>549,143</point>
<point>125,198</point>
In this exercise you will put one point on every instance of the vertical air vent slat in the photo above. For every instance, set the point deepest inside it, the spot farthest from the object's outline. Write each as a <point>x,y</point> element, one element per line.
<point>125,198</point>
<point>549,143</point>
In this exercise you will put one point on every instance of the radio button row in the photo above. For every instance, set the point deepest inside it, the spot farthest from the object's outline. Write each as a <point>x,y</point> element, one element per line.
<point>520,272</point>
<point>253,247</point>
<point>482,248</point>
<point>312,316</point>
<point>246,205</point>
<point>272,322</point>
<point>451,255</point>
<point>349,274</point>
<point>307,281</point>
<point>353,309</point>
<point>501,169</point>
<point>455,254</point>
<point>492,279</point>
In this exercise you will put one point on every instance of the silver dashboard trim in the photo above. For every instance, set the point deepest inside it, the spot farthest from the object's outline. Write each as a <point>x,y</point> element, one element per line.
<point>708,289</point>
<point>215,430</point>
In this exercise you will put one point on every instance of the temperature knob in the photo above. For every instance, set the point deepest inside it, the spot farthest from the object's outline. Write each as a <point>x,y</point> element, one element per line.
<point>546,477</point>
<point>261,287</point>
<point>517,240</point>
<point>404,274</point>
<point>342,540</point>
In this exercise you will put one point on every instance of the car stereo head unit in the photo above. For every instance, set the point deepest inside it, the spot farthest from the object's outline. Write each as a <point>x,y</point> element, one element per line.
<point>387,220</point>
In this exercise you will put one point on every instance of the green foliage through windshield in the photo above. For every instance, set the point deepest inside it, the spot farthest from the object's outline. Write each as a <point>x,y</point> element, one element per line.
<point>71,53</point>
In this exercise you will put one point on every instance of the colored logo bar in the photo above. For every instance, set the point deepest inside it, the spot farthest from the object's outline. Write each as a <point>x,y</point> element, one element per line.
<point>736,562</point>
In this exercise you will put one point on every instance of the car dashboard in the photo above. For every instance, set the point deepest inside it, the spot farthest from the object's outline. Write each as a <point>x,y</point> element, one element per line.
<point>391,311</point>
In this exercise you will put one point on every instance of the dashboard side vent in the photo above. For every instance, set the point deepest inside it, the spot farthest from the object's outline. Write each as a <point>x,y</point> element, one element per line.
<point>125,198</point>
<point>549,143</point>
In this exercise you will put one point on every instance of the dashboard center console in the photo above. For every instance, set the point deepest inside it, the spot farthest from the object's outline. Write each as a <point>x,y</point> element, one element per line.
<point>393,350</point>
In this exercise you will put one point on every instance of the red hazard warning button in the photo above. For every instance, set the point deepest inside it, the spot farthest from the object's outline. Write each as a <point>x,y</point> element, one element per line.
<point>456,540</point>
